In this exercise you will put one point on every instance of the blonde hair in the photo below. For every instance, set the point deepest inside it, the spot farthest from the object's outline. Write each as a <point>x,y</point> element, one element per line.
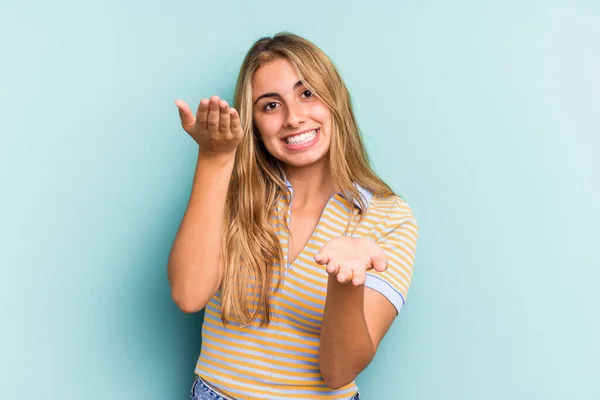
<point>250,245</point>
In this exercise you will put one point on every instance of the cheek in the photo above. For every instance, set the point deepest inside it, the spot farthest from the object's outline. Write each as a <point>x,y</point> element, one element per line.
<point>323,114</point>
<point>268,128</point>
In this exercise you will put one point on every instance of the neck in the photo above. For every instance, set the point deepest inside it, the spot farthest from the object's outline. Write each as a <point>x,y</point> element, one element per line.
<point>312,184</point>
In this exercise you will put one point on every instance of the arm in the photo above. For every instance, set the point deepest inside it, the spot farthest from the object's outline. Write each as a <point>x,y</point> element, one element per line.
<point>195,269</point>
<point>367,286</point>
<point>355,320</point>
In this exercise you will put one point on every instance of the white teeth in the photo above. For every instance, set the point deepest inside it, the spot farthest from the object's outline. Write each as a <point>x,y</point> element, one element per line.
<point>302,138</point>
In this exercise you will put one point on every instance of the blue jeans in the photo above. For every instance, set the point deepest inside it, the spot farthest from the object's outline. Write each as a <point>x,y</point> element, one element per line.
<point>202,392</point>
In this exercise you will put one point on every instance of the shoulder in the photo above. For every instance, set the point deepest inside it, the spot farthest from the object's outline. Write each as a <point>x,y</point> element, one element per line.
<point>386,217</point>
<point>392,209</point>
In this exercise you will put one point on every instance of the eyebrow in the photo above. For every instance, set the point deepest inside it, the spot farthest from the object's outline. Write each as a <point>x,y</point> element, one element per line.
<point>273,94</point>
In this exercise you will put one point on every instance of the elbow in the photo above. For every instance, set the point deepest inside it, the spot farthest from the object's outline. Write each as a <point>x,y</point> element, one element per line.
<point>191,298</point>
<point>343,372</point>
<point>188,304</point>
<point>334,385</point>
<point>335,382</point>
<point>335,379</point>
<point>189,308</point>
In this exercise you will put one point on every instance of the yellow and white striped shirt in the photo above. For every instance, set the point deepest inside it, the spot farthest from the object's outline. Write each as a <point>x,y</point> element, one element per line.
<point>281,361</point>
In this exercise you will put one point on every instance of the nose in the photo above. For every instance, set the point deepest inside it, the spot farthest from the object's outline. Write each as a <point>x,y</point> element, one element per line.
<point>295,115</point>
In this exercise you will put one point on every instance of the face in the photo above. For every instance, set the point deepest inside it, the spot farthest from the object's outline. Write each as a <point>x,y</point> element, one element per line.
<point>294,124</point>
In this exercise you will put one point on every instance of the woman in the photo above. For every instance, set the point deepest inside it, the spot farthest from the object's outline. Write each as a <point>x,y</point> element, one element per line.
<point>300,255</point>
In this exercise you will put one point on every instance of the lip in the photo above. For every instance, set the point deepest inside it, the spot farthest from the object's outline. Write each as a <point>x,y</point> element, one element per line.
<point>299,133</point>
<point>303,146</point>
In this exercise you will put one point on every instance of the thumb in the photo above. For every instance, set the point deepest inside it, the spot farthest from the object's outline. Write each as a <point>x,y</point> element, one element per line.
<point>379,262</point>
<point>185,114</point>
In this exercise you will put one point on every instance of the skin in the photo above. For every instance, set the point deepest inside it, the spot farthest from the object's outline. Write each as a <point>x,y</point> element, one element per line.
<point>355,318</point>
<point>194,268</point>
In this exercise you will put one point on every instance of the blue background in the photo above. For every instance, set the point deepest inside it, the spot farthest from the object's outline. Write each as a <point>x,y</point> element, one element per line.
<point>484,116</point>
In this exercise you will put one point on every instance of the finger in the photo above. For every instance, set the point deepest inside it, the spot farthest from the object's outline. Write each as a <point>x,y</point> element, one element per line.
<point>332,268</point>
<point>224,118</point>
<point>379,262</point>
<point>185,114</point>
<point>213,115</point>
<point>344,275</point>
<point>359,277</point>
<point>235,124</point>
<point>202,113</point>
<point>322,258</point>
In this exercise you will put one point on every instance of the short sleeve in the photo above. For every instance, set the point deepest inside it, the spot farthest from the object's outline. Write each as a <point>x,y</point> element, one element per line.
<point>397,235</point>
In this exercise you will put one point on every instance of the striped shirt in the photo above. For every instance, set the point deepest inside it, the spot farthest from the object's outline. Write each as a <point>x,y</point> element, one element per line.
<point>281,361</point>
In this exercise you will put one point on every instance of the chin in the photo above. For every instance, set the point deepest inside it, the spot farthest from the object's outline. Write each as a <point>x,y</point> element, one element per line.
<point>304,160</point>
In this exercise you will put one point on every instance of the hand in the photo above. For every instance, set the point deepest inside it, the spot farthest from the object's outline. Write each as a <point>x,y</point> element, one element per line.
<point>216,127</point>
<point>349,259</point>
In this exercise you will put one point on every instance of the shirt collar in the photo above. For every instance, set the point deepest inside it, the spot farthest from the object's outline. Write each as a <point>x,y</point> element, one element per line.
<point>365,193</point>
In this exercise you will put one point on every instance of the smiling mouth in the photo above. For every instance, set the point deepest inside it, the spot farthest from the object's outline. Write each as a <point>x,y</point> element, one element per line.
<point>301,138</point>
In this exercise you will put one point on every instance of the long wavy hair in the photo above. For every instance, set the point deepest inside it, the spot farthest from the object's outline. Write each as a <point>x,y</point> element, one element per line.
<point>250,245</point>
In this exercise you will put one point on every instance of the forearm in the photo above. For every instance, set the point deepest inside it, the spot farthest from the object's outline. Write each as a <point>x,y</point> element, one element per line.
<point>194,260</point>
<point>346,347</point>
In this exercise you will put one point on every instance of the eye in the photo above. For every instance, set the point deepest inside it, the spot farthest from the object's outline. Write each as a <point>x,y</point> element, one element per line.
<point>308,91</point>
<point>269,106</point>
